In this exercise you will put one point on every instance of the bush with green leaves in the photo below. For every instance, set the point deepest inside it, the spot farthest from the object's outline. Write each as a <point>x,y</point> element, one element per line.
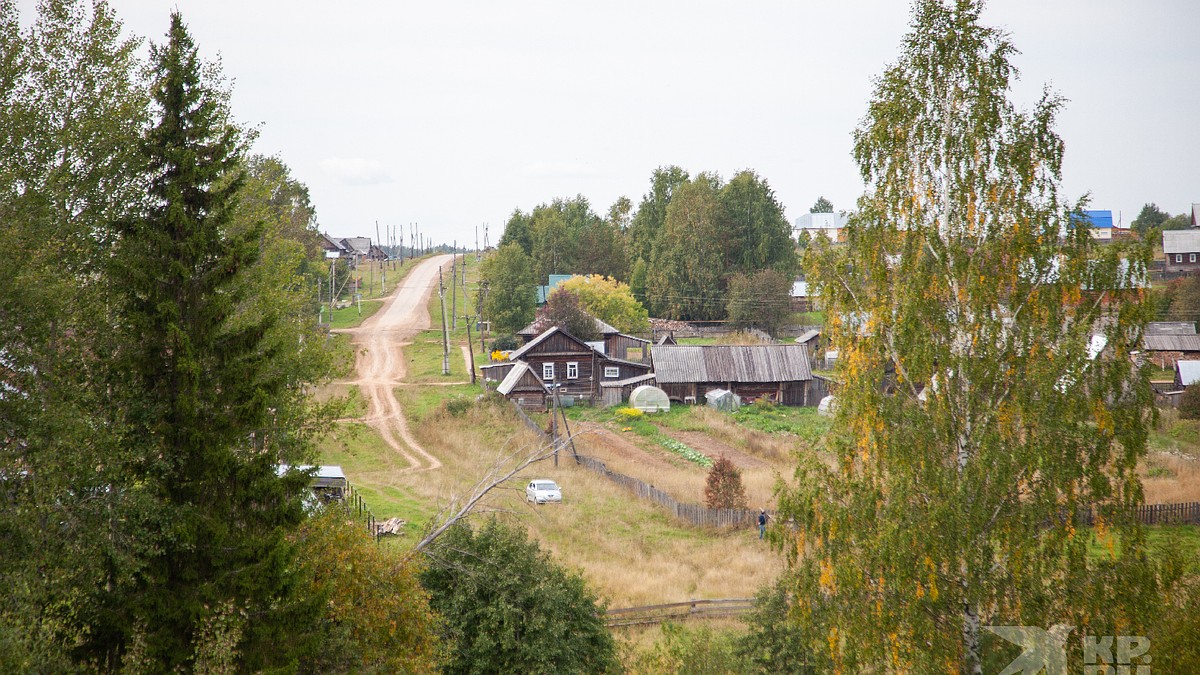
<point>508,608</point>
<point>1189,402</point>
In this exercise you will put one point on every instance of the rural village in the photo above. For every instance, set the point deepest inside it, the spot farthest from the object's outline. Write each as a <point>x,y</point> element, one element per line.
<point>953,426</point>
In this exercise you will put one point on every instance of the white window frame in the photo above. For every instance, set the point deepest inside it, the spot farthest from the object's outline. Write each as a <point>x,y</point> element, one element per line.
<point>1191,257</point>
<point>572,370</point>
<point>547,371</point>
<point>611,372</point>
<point>1178,257</point>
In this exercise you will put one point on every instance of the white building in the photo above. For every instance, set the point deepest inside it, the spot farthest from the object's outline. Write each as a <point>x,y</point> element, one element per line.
<point>829,224</point>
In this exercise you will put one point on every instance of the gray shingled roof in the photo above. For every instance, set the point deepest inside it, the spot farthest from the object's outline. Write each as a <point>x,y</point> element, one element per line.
<point>731,363</point>
<point>1171,343</point>
<point>1181,241</point>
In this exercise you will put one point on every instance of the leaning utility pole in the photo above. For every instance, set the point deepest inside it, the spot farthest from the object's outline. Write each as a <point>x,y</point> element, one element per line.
<point>445,332</point>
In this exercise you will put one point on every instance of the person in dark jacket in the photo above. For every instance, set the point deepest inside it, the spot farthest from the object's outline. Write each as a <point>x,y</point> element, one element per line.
<point>762,523</point>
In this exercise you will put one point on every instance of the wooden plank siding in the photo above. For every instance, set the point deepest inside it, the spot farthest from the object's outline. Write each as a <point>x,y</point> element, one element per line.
<point>780,372</point>
<point>578,369</point>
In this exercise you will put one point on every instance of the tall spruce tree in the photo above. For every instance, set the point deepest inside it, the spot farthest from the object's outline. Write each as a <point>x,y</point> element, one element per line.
<point>977,412</point>
<point>195,382</point>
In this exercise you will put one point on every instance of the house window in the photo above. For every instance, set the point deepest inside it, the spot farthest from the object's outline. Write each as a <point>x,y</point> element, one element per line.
<point>1178,257</point>
<point>572,370</point>
<point>612,371</point>
<point>547,371</point>
<point>1191,257</point>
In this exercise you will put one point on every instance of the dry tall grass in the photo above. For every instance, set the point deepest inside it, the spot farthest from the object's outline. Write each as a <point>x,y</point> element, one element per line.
<point>631,551</point>
<point>1170,479</point>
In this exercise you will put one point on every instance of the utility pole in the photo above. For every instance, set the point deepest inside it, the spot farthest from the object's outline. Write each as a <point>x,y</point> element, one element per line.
<point>454,288</point>
<point>445,332</point>
<point>470,348</point>
<point>482,346</point>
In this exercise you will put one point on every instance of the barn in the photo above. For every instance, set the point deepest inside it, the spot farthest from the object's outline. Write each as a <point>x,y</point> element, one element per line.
<point>778,372</point>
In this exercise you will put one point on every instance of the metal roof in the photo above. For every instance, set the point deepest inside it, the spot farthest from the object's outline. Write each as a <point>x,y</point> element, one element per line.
<point>1170,328</point>
<point>808,336</point>
<point>1171,343</point>
<point>514,376</point>
<point>539,326</point>
<point>1189,372</point>
<point>731,363</point>
<point>542,338</point>
<point>1181,241</point>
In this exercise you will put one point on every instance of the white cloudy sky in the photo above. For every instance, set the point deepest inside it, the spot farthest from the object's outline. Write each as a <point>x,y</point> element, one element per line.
<point>450,114</point>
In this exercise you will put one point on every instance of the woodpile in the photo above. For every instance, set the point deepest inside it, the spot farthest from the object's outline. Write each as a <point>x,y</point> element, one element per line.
<point>665,326</point>
<point>390,526</point>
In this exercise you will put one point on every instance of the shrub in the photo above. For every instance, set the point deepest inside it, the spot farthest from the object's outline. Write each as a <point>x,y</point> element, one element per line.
<point>505,343</point>
<point>724,489</point>
<point>1189,402</point>
<point>628,413</point>
<point>507,607</point>
<point>458,406</point>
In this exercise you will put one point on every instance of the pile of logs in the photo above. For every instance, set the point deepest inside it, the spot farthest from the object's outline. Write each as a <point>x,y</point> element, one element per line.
<point>390,526</point>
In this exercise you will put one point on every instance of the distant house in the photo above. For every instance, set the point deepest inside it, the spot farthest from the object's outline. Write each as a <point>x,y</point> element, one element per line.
<point>832,225</point>
<point>1100,222</point>
<point>576,368</point>
<point>1182,250</point>
<point>778,372</point>
<point>376,253</point>
<point>1165,351</point>
<point>357,246</point>
<point>332,247</point>
<point>552,282</point>
<point>1195,214</point>
<point>800,302</point>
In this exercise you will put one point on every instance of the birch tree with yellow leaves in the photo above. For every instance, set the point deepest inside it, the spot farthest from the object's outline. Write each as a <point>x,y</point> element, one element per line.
<point>987,391</point>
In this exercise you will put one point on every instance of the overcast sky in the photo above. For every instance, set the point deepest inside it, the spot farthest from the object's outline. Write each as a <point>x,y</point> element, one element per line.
<point>452,114</point>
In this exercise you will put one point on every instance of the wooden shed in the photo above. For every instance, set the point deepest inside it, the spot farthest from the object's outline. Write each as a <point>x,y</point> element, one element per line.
<point>779,372</point>
<point>523,386</point>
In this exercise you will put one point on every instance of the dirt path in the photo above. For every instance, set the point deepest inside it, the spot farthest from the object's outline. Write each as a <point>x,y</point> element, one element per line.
<point>380,360</point>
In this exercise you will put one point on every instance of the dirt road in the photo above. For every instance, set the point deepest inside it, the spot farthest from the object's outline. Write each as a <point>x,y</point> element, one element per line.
<point>380,362</point>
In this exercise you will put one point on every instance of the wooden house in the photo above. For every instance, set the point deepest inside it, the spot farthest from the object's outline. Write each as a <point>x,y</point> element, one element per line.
<point>779,372</point>
<point>575,367</point>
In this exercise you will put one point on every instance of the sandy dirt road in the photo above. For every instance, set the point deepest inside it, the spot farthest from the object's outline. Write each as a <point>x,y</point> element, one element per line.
<point>379,343</point>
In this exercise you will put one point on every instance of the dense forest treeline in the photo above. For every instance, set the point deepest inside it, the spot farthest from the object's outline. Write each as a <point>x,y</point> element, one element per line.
<point>689,243</point>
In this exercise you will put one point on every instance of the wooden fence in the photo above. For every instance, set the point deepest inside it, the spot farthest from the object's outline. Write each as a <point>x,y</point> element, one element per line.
<point>650,614</point>
<point>1186,513</point>
<point>695,514</point>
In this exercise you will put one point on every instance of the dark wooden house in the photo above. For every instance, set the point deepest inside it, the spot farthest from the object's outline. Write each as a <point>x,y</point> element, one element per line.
<point>575,367</point>
<point>780,372</point>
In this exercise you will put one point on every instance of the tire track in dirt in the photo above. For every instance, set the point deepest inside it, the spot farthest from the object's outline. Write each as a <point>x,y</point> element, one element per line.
<point>379,360</point>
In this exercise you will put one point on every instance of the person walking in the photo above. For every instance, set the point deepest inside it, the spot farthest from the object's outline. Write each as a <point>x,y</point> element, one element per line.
<point>762,523</point>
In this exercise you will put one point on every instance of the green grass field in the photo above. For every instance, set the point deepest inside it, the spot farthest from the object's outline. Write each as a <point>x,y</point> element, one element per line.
<point>353,316</point>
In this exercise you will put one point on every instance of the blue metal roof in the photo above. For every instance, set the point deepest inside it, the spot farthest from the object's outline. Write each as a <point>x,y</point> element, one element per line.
<point>1102,219</point>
